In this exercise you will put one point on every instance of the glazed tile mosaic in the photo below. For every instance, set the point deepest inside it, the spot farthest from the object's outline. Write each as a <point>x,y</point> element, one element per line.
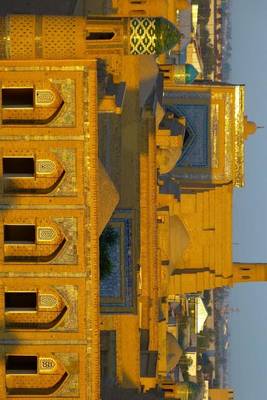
<point>118,289</point>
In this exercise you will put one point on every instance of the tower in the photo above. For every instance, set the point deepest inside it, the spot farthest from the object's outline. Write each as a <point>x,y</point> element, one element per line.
<point>248,272</point>
<point>108,38</point>
<point>221,394</point>
<point>79,38</point>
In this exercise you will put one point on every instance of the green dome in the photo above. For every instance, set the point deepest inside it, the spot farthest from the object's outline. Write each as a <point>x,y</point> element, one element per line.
<point>167,35</point>
<point>190,73</point>
<point>152,35</point>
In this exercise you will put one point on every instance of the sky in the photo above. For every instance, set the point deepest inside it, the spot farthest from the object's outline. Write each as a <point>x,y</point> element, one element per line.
<point>249,326</point>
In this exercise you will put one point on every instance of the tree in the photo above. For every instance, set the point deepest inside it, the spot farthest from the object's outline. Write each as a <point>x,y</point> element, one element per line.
<point>209,310</point>
<point>202,343</point>
<point>184,364</point>
<point>206,297</point>
<point>194,390</point>
<point>107,240</point>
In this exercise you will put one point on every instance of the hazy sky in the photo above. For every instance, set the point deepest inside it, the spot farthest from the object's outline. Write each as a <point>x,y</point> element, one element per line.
<point>249,326</point>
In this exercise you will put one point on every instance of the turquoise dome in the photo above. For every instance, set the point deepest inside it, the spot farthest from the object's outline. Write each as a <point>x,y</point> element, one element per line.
<point>190,73</point>
<point>167,35</point>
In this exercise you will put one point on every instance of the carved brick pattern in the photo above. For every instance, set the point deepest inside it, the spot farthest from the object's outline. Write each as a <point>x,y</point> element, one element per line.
<point>48,300</point>
<point>67,158</point>
<point>69,322</point>
<point>65,30</point>
<point>66,117</point>
<point>44,97</point>
<point>69,253</point>
<point>71,364</point>
<point>22,26</point>
<point>46,234</point>
<point>45,166</point>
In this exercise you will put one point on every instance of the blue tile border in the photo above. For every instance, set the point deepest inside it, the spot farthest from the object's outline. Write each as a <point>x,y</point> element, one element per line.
<point>118,291</point>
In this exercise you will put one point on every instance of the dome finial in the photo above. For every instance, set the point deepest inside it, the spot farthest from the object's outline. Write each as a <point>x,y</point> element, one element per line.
<point>249,127</point>
<point>183,4</point>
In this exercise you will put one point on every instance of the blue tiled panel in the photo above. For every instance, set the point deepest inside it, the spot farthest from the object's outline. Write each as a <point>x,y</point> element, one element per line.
<point>118,290</point>
<point>196,154</point>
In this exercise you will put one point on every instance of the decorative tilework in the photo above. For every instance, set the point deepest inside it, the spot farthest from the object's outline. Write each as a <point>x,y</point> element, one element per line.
<point>68,255</point>
<point>196,153</point>
<point>69,323</point>
<point>118,290</point>
<point>143,36</point>
<point>66,116</point>
<point>70,361</point>
<point>68,159</point>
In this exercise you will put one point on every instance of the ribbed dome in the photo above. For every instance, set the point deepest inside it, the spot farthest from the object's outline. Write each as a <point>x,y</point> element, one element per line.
<point>179,241</point>
<point>174,352</point>
<point>190,73</point>
<point>167,35</point>
<point>108,198</point>
<point>167,158</point>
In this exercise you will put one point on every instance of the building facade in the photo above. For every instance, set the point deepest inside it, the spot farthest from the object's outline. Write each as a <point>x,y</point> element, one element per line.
<point>56,199</point>
<point>54,192</point>
<point>49,196</point>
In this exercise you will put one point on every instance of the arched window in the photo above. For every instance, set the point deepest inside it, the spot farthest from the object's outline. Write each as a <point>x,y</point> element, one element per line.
<point>187,138</point>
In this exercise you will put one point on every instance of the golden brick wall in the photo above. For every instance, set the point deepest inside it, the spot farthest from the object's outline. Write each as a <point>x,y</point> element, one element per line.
<point>60,198</point>
<point>57,37</point>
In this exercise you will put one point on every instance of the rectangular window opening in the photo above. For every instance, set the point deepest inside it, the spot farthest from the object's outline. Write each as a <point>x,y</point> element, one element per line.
<point>100,35</point>
<point>138,1</point>
<point>17,98</point>
<point>21,364</point>
<point>140,12</point>
<point>21,301</point>
<point>19,234</point>
<point>18,167</point>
